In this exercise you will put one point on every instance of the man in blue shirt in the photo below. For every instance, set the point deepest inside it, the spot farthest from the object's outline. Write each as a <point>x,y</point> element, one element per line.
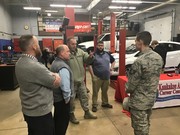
<point>64,93</point>
<point>100,71</point>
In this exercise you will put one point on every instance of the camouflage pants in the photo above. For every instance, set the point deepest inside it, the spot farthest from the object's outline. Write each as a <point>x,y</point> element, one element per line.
<point>81,91</point>
<point>97,83</point>
<point>140,121</point>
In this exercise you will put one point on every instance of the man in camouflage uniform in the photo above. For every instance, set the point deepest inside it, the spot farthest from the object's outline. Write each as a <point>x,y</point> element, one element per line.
<point>142,84</point>
<point>77,60</point>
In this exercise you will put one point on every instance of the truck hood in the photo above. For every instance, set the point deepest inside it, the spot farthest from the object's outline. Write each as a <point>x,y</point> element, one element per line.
<point>86,44</point>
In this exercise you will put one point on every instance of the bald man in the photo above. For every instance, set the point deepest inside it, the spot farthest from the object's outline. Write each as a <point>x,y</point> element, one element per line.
<point>64,93</point>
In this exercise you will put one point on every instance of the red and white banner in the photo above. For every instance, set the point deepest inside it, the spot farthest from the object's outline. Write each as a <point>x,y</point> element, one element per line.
<point>82,27</point>
<point>79,26</point>
<point>52,27</point>
<point>168,93</point>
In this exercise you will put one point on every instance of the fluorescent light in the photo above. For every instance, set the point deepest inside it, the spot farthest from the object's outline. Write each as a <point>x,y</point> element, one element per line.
<point>32,8</point>
<point>132,7</point>
<point>113,7</point>
<point>120,7</point>
<point>93,23</point>
<point>51,11</point>
<point>117,12</point>
<point>80,10</point>
<point>135,2</point>
<point>59,5</point>
<point>48,14</point>
<point>127,1</point>
<point>124,8</point>
<point>130,11</point>
<point>75,6</point>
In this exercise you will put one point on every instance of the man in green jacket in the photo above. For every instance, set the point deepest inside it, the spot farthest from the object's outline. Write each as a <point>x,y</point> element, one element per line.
<point>77,60</point>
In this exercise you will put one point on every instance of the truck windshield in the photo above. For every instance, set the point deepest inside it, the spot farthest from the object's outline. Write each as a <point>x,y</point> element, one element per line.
<point>131,49</point>
<point>100,37</point>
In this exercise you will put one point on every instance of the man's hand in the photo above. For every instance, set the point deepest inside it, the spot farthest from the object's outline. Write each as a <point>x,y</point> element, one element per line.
<point>57,80</point>
<point>111,71</point>
<point>91,54</point>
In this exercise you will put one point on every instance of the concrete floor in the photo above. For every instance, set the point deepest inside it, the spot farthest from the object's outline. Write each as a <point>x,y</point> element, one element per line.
<point>110,121</point>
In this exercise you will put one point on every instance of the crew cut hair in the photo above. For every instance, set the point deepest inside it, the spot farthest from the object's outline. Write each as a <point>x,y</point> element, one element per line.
<point>25,41</point>
<point>145,36</point>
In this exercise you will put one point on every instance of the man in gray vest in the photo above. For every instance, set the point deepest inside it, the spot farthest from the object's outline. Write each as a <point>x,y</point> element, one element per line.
<point>64,93</point>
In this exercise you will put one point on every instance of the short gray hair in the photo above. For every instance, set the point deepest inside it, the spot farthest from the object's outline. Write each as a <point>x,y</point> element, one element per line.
<point>59,49</point>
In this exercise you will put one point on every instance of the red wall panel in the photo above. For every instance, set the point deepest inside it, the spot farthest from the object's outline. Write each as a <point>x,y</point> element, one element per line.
<point>48,43</point>
<point>57,42</point>
<point>16,45</point>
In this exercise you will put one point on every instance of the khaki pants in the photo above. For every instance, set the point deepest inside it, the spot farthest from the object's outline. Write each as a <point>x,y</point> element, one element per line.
<point>81,91</point>
<point>97,83</point>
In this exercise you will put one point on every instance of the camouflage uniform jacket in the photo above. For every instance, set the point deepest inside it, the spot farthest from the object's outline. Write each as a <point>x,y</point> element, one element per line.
<point>143,80</point>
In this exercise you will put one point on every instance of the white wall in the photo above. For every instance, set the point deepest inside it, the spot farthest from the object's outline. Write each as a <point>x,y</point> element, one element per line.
<point>160,28</point>
<point>20,18</point>
<point>6,22</point>
<point>173,9</point>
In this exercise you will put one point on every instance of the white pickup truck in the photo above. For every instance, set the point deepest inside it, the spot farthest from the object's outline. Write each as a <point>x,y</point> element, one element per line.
<point>89,46</point>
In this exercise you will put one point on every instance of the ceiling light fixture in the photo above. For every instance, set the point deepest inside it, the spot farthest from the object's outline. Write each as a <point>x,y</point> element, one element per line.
<point>135,2</point>
<point>120,7</point>
<point>80,11</point>
<point>75,6</point>
<point>57,5</point>
<point>93,23</point>
<point>51,11</point>
<point>31,8</point>
<point>132,7</point>
<point>127,1</point>
<point>48,14</point>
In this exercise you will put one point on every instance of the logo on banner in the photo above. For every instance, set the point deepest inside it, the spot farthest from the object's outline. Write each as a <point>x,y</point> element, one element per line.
<point>82,27</point>
<point>52,24</point>
<point>168,91</point>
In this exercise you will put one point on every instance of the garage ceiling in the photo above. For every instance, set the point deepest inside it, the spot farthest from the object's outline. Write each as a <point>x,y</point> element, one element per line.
<point>96,6</point>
